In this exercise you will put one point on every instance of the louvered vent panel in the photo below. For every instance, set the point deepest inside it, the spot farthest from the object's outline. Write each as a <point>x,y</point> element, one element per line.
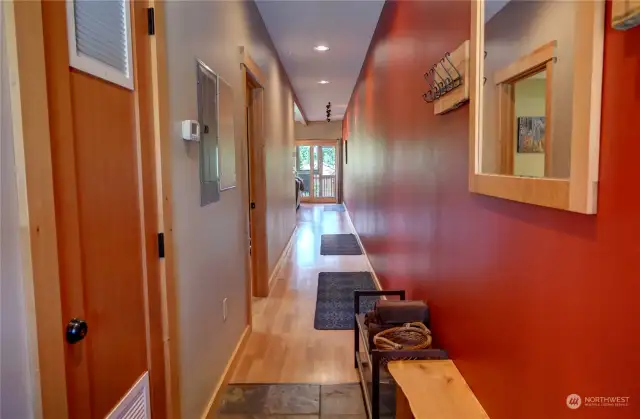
<point>135,405</point>
<point>101,32</point>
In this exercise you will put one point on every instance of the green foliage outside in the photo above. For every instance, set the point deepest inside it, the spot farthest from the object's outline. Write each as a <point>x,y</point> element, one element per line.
<point>328,157</point>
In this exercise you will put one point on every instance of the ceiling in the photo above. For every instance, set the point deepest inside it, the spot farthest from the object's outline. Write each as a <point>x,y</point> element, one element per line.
<point>346,27</point>
<point>492,7</point>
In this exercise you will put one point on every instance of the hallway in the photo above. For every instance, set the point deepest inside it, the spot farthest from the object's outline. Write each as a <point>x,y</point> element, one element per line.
<point>154,154</point>
<point>284,347</point>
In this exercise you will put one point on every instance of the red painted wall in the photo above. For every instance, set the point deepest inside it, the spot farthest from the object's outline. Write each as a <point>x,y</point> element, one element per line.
<point>534,304</point>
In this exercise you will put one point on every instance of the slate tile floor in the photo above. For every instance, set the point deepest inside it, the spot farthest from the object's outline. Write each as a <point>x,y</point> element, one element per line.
<point>299,401</point>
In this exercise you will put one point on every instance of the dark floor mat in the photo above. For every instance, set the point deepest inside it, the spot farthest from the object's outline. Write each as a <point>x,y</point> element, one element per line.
<point>334,207</point>
<point>334,304</point>
<point>339,244</point>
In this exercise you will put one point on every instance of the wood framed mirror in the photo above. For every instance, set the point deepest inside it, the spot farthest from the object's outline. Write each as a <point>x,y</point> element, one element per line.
<point>535,101</point>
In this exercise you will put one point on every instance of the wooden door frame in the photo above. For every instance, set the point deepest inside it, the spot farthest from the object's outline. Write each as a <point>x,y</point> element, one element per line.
<point>253,82</point>
<point>38,236</point>
<point>334,143</point>
<point>34,181</point>
<point>165,296</point>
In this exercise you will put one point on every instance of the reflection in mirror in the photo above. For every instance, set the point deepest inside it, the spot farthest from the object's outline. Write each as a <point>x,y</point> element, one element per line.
<point>226,137</point>
<point>208,119</point>
<point>527,96</point>
<point>529,116</point>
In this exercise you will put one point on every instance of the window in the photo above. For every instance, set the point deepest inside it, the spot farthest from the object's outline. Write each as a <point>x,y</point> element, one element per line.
<point>99,34</point>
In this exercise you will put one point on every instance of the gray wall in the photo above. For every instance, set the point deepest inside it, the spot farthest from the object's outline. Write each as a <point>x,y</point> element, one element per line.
<point>15,382</point>
<point>211,241</point>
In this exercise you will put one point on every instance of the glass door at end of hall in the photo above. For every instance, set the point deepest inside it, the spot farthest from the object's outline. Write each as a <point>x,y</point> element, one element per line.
<point>316,166</point>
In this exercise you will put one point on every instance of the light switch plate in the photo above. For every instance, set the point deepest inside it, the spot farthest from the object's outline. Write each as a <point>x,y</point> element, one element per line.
<point>224,309</point>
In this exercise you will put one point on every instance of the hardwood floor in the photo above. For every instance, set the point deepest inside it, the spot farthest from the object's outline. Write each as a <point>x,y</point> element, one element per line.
<point>284,347</point>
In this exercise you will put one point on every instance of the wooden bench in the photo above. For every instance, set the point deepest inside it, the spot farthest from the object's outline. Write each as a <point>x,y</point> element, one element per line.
<point>433,389</point>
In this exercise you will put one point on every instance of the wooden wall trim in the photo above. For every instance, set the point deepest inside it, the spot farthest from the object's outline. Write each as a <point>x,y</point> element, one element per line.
<point>552,193</point>
<point>476,73</point>
<point>304,121</point>
<point>282,259</point>
<point>164,202</point>
<point>519,69</point>
<point>506,126</point>
<point>318,142</point>
<point>587,106</point>
<point>548,108</point>
<point>244,182</point>
<point>252,67</point>
<point>261,79</point>
<point>38,237</point>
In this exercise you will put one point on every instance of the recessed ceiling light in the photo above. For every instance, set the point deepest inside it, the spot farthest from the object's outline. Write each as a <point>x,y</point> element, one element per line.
<point>323,82</point>
<point>321,48</point>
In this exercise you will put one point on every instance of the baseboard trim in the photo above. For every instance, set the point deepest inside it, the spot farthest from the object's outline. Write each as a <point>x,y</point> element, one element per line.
<point>376,280</point>
<point>281,259</point>
<point>218,393</point>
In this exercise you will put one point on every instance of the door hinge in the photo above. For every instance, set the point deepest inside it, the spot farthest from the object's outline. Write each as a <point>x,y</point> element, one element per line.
<point>161,245</point>
<point>151,21</point>
<point>253,205</point>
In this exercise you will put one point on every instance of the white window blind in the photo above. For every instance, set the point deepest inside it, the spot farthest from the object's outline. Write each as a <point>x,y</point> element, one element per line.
<point>100,39</point>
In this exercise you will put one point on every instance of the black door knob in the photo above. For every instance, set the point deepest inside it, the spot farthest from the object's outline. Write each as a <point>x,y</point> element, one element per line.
<point>76,330</point>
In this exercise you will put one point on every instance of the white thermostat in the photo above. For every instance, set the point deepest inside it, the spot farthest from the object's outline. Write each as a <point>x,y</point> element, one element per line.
<point>190,130</point>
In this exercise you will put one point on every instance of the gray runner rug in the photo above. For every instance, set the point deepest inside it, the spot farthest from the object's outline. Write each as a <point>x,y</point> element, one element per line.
<point>339,244</point>
<point>334,304</point>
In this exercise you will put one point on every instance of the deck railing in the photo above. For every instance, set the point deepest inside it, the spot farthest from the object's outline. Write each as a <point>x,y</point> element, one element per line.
<point>324,186</point>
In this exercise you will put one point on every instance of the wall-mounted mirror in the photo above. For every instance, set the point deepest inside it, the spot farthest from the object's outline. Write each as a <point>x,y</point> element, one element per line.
<point>208,119</point>
<point>226,136</point>
<point>536,70</point>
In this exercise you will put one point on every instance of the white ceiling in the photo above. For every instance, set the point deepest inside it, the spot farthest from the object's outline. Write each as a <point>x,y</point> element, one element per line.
<point>344,26</point>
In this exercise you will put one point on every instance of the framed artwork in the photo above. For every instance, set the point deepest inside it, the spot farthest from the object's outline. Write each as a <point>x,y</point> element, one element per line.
<point>531,134</point>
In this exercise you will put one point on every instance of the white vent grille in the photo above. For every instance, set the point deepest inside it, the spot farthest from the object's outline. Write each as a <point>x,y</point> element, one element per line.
<point>100,39</point>
<point>135,405</point>
<point>101,32</point>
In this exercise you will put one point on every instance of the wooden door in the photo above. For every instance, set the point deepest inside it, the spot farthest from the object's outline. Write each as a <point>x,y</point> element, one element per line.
<point>259,263</point>
<point>96,130</point>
